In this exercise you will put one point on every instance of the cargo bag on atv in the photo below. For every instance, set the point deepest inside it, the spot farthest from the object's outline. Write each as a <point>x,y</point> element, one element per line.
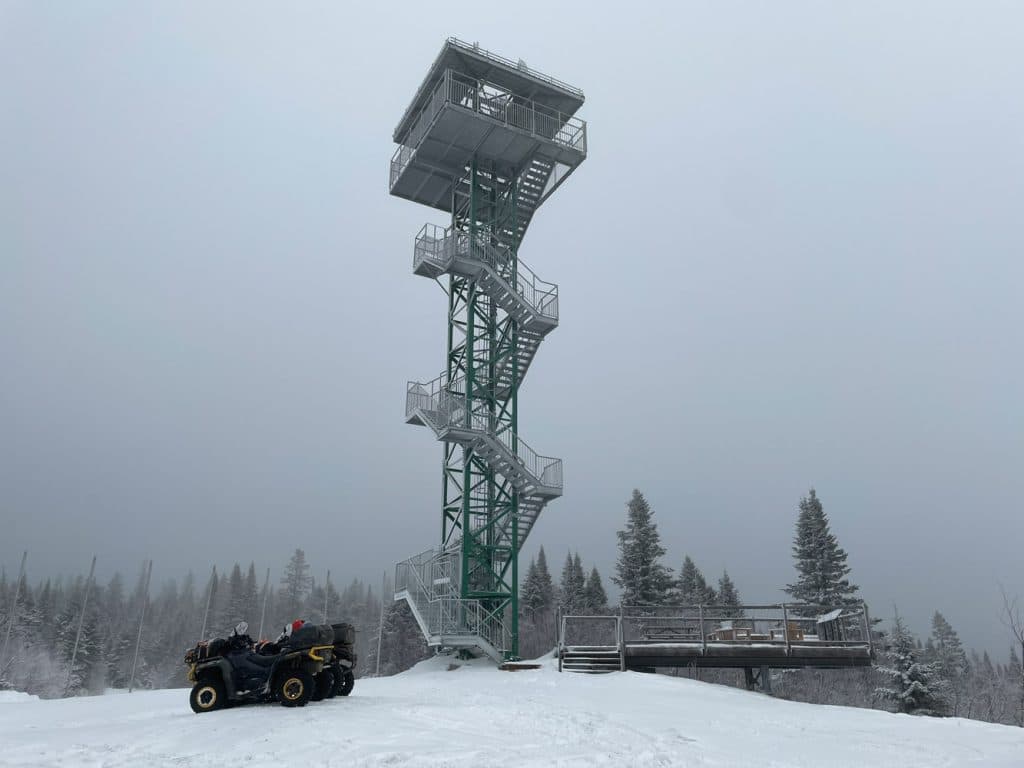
<point>344,635</point>
<point>309,635</point>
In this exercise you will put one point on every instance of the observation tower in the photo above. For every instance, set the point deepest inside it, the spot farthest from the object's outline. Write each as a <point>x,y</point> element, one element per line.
<point>486,140</point>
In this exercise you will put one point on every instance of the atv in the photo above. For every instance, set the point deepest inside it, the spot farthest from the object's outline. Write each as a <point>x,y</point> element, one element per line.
<point>223,677</point>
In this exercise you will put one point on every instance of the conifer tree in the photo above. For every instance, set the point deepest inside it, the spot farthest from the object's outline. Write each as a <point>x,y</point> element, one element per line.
<point>594,597</point>
<point>686,584</point>
<point>528,597</point>
<point>235,611</point>
<point>573,584</point>
<point>638,570</point>
<point>947,653</point>
<point>820,561</point>
<point>691,587</point>
<point>402,644</point>
<point>545,586</point>
<point>728,596</point>
<point>295,584</point>
<point>914,686</point>
<point>82,677</point>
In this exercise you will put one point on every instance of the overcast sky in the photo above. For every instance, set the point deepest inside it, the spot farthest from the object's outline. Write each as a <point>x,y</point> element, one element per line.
<point>792,258</point>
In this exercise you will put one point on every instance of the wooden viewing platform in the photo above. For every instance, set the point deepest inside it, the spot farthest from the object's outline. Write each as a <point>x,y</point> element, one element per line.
<point>784,636</point>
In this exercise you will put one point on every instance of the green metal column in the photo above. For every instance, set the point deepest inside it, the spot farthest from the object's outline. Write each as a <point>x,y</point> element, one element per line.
<point>480,507</point>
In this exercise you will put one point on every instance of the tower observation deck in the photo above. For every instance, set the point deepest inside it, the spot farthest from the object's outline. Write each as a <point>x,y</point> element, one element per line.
<point>487,141</point>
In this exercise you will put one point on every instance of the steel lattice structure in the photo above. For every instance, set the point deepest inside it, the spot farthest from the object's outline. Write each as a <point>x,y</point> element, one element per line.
<point>486,140</point>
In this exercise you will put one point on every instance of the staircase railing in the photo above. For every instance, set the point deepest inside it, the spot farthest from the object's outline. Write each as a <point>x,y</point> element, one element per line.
<point>439,246</point>
<point>444,405</point>
<point>430,580</point>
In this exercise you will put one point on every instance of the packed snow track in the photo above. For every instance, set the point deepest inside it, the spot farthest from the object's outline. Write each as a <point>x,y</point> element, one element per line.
<point>476,715</point>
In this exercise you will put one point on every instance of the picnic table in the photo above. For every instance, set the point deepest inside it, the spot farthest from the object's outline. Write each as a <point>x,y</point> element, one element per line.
<point>668,634</point>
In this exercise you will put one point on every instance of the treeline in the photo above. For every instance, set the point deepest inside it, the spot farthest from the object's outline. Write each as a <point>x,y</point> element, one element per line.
<point>937,677</point>
<point>48,614</point>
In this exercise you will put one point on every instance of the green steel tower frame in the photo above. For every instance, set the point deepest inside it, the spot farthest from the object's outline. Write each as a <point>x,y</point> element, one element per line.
<point>487,141</point>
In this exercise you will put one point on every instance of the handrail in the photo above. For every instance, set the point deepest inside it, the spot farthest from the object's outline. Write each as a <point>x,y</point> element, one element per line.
<point>430,580</point>
<point>496,103</point>
<point>783,624</point>
<point>440,245</point>
<point>400,161</point>
<point>521,66</point>
<point>447,402</point>
<point>621,638</point>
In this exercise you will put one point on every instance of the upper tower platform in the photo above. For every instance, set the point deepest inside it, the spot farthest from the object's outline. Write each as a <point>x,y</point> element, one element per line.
<point>474,103</point>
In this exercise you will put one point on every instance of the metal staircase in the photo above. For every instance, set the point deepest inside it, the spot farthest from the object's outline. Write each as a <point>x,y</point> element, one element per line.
<point>443,407</point>
<point>530,301</point>
<point>591,644</point>
<point>487,141</point>
<point>533,183</point>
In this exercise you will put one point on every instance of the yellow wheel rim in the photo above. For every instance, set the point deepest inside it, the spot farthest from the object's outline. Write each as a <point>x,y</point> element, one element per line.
<point>293,689</point>
<point>207,697</point>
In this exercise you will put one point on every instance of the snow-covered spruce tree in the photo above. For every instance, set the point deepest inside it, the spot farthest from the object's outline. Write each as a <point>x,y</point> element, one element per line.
<point>915,687</point>
<point>545,586</point>
<point>638,570</point>
<point>573,584</point>
<point>235,610</point>
<point>87,674</point>
<point>594,597</point>
<point>295,584</point>
<point>728,596</point>
<point>820,561</point>
<point>250,597</point>
<point>528,589</point>
<point>947,653</point>
<point>537,593</point>
<point>537,609</point>
<point>1014,677</point>
<point>691,586</point>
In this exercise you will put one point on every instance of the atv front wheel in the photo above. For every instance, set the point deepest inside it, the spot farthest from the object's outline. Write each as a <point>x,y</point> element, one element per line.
<point>207,695</point>
<point>294,688</point>
<point>324,685</point>
<point>343,685</point>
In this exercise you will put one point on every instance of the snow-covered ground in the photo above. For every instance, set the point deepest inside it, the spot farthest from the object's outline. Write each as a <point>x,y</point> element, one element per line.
<point>478,716</point>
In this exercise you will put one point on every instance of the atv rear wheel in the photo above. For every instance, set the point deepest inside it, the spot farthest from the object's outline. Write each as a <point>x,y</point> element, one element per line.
<point>324,685</point>
<point>344,684</point>
<point>207,695</point>
<point>293,687</point>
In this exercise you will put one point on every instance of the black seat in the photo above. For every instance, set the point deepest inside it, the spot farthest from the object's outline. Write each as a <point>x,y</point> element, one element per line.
<point>250,659</point>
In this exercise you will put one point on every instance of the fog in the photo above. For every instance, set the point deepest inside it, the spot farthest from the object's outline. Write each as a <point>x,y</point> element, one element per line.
<point>791,259</point>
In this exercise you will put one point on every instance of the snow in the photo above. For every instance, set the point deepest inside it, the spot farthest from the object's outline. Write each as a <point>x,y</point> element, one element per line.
<point>16,697</point>
<point>477,715</point>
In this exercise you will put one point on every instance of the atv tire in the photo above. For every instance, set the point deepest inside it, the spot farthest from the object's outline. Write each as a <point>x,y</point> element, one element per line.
<point>344,684</point>
<point>208,695</point>
<point>324,685</point>
<point>293,687</point>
